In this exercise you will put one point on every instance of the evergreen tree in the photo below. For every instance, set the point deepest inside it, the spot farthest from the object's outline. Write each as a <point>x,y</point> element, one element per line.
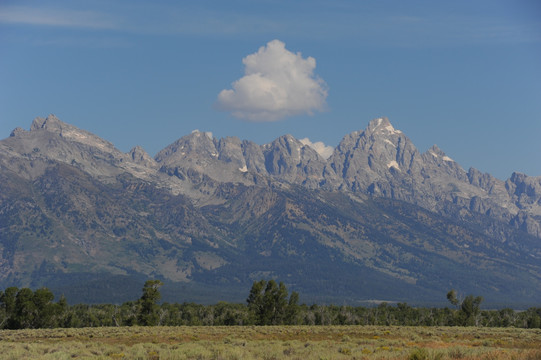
<point>7,307</point>
<point>271,305</point>
<point>25,310</point>
<point>255,301</point>
<point>45,309</point>
<point>148,307</point>
<point>292,309</point>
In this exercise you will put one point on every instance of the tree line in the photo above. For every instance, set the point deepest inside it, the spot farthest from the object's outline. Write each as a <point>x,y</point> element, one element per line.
<point>268,303</point>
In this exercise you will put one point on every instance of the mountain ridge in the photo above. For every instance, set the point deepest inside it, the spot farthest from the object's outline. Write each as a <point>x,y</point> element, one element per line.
<point>219,213</point>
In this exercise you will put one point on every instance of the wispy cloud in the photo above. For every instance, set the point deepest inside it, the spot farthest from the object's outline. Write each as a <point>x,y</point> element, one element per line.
<point>328,21</point>
<point>56,17</point>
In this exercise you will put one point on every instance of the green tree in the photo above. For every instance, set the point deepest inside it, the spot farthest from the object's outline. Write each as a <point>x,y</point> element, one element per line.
<point>255,301</point>
<point>452,297</point>
<point>275,303</point>
<point>293,309</point>
<point>25,309</point>
<point>533,320</point>
<point>45,309</point>
<point>7,307</point>
<point>148,307</point>
<point>269,305</point>
<point>468,309</point>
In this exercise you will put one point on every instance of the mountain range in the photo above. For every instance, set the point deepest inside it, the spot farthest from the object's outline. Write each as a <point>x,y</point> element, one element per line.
<point>376,221</point>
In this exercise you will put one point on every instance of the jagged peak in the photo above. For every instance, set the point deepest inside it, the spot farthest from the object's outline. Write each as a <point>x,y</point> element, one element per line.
<point>69,132</point>
<point>438,153</point>
<point>208,134</point>
<point>196,137</point>
<point>284,139</point>
<point>137,149</point>
<point>50,123</point>
<point>517,177</point>
<point>381,125</point>
<point>288,138</point>
<point>17,131</point>
<point>140,156</point>
<point>480,179</point>
<point>377,122</point>
<point>299,149</point>
<point>379,129</point>
<point>474,171</point>
<point>197,142</point>
<point>435,150</point>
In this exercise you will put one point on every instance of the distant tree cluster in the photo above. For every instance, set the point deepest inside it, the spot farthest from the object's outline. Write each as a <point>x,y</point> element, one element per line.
<point>27,309</point>
<point>268,303</point>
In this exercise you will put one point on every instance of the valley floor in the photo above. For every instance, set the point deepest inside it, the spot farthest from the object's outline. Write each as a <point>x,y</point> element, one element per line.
<point>273,342</point>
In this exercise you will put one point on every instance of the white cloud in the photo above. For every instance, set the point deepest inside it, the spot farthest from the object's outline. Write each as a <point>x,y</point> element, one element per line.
<point>324,150</point>
<point>277,83</point>
<point>55,17</point>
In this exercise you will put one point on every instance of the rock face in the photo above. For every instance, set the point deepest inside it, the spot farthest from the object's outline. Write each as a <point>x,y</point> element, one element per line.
<point>379,161</point>
<point>139,156</point>
<point>220,213</point>
<point>382,161</point>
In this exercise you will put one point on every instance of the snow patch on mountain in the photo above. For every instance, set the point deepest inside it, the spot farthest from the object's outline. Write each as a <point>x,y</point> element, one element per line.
<point>207,133</point>
<point>394,164</point>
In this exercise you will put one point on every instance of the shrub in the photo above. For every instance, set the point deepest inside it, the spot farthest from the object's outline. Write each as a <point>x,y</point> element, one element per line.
<point>418,354</point>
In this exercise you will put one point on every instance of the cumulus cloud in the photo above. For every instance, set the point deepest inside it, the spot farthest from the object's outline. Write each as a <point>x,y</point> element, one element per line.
<point>324,150</point>
<point>277,83</point>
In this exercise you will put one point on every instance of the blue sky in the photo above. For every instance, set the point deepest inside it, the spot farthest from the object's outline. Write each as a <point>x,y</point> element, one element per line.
<point>465,75</point>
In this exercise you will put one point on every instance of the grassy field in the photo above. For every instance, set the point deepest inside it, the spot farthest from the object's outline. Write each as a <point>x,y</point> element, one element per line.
<point>268,342</point>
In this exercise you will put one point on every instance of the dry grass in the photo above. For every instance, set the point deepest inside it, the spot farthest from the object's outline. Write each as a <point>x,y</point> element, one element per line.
<point>278,342</point>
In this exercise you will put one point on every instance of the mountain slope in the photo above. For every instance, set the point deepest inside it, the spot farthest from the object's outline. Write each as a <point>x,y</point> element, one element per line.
<point>377,220</point>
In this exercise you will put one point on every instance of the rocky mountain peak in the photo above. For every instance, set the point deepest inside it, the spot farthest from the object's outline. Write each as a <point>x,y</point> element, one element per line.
<point>484,181</point>
<point>437,155</point>
<point>17,132</point>
<point>286,143</point>
<point>198,144</point>
<point>526,188</point>
<point>139,156</point>
<point>230,150</point>
<point>436,151</point>
<point>50,123</point>
<point>292,160</point>
<point>437,163</point>
<point>381,126</point>
<point>382,140</point>
<point>54,125</point>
